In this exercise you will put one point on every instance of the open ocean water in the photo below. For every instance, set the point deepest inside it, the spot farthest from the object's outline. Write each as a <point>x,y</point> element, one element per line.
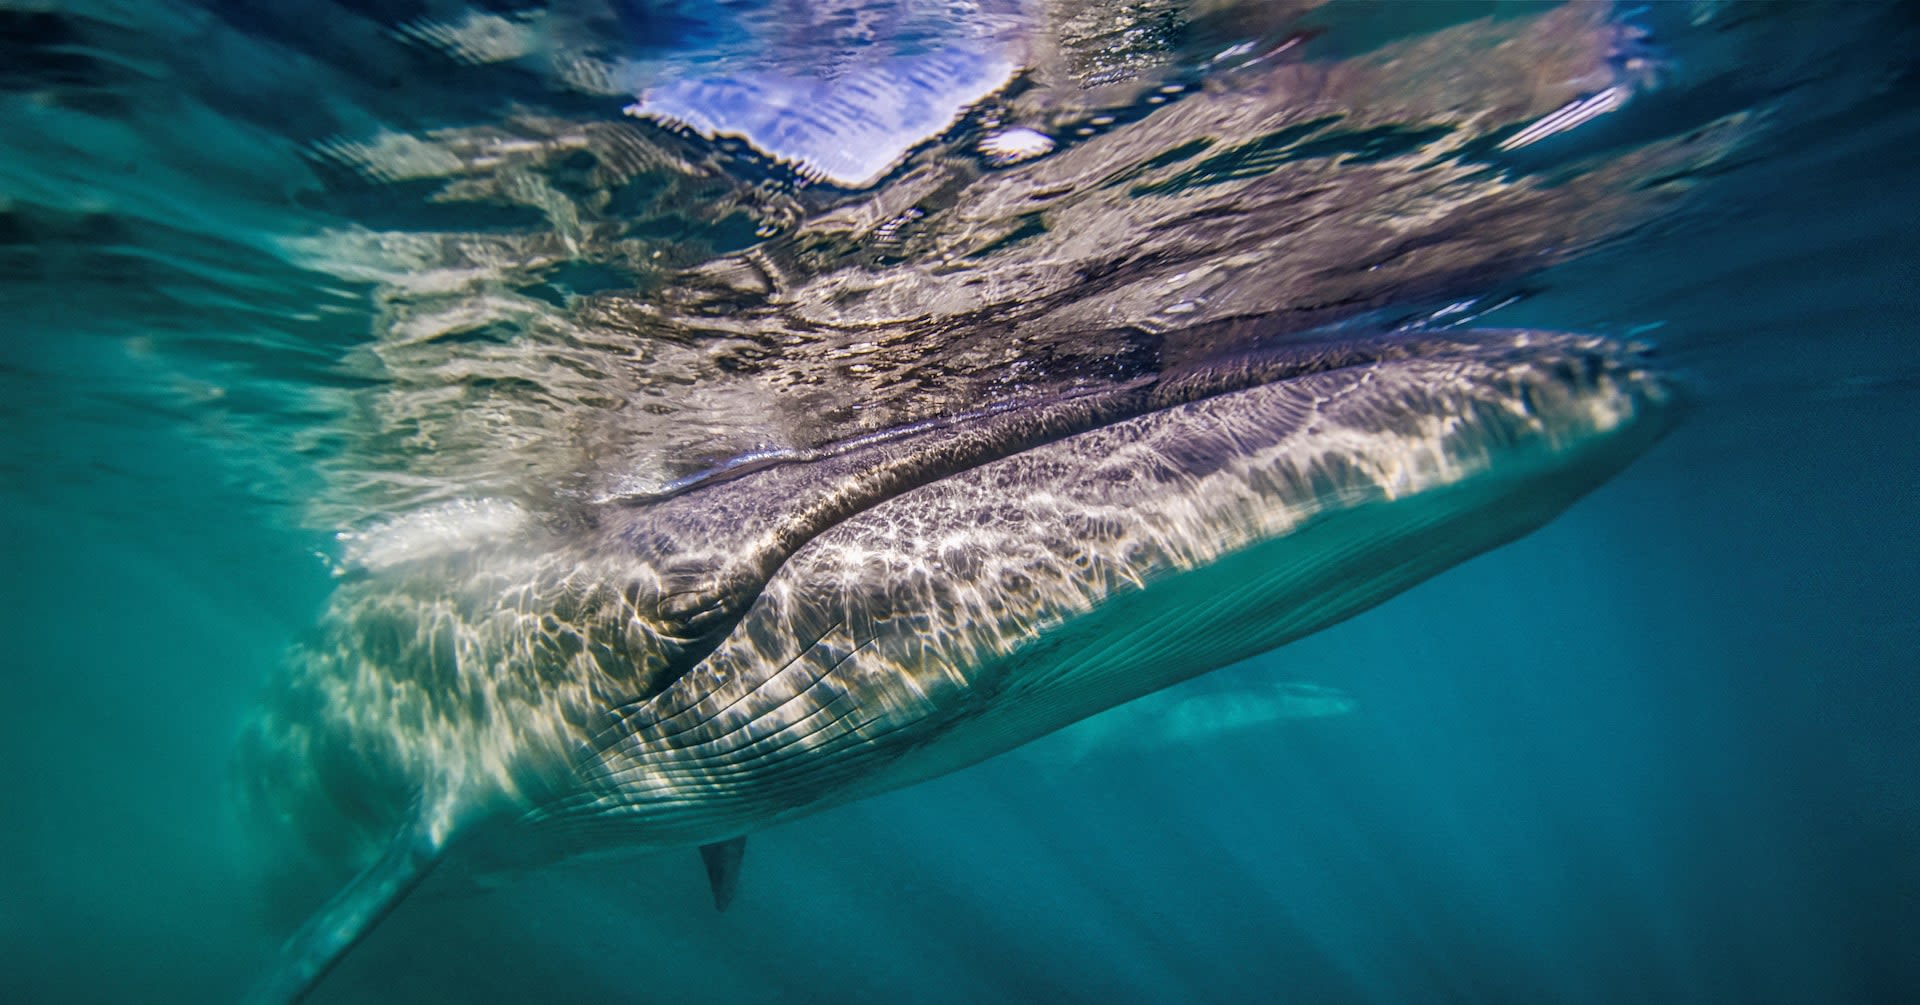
<point>272,276</point>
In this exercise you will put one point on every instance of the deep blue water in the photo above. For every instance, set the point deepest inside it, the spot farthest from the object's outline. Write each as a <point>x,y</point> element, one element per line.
<point>1663,749</point>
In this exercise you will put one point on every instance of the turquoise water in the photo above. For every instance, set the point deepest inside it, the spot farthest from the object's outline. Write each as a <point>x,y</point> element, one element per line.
<point>1661,749</point>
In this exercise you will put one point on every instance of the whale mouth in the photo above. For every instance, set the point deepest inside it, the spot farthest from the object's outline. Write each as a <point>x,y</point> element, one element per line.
<point>756,510</point>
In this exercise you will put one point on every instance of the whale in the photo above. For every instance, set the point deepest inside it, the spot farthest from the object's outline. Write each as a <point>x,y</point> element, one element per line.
<point>778,638</point>
<point>1175,721</point>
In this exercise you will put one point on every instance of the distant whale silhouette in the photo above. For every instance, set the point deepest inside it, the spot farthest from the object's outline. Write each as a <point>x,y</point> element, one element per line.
<point>1172,719</point>
<point>774,640</point>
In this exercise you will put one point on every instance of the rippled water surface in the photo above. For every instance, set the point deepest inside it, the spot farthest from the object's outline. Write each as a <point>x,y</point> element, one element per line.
<point>297,293</point>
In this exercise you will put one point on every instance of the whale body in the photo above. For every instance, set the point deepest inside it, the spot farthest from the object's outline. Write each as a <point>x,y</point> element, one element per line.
<point>683,670</point>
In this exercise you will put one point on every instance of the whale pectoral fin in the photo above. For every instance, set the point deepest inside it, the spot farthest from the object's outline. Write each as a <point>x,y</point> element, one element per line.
<point>348,917</point>
<point>723,868</point>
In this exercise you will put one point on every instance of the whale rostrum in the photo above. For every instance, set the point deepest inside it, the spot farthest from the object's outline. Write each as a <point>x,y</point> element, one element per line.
<point>683,669</point>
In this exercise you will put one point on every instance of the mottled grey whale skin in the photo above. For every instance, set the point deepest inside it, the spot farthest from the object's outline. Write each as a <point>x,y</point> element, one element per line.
<point>682,671</point>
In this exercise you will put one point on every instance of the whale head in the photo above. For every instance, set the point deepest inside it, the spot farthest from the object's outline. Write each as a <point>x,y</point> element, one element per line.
<point>780,638</point>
